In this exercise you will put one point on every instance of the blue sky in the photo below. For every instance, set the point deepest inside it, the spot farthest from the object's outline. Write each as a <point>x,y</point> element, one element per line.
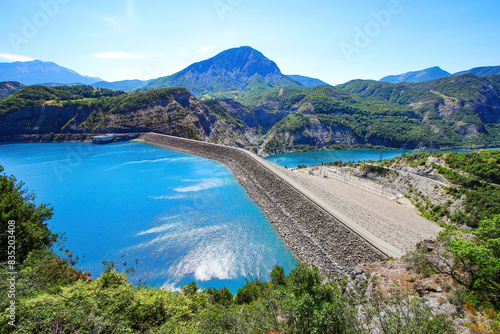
<point>333,40</point>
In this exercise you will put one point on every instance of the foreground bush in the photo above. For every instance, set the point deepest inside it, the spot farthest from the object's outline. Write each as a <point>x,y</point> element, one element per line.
<point>471,259</point>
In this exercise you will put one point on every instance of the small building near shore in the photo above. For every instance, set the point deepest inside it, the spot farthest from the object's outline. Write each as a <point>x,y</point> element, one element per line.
<point>103,139</point>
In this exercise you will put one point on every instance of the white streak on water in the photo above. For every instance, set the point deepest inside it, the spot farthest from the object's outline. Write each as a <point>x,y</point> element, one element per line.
<point>158,229</point>
<point>179,196</point>
<point>189,159</point>
<point>204,185</point>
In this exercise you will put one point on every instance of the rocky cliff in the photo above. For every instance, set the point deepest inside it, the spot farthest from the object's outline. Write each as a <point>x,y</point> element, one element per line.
<point>169,111</point>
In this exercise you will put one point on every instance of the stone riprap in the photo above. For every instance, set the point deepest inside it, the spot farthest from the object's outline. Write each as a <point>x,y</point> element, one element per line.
<point>312,234</point>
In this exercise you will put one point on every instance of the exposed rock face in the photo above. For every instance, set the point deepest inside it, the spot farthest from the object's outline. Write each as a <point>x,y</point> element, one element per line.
<point>42,120</point>
<point>253,117</point>
<point>183,115</point>
<point>489,109</point>
<point>290,118</point>
<point>317,135</point>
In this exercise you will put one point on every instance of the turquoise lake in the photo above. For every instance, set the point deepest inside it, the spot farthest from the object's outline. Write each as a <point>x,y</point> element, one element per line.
<point>292,160</point>
<point>183,218</point>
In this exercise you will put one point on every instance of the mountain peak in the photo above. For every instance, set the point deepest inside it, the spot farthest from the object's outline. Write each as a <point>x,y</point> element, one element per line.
<point>427,74</point>
<point>230,70</point>
<point>244,62</point>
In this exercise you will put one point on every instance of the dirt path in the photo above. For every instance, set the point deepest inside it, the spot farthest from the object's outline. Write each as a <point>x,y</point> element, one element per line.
<point>395,223</point>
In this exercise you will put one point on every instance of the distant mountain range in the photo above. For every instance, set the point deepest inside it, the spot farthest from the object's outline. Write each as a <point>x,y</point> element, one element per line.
<point>125,85</point>
<point>237,73</point>
<point>436,72</point>
<point>453,112</point>
<point>417,76</point>
<point>306,81</point>
<point>485,70</point>
<point>41,72</point>
<point>238,69</point>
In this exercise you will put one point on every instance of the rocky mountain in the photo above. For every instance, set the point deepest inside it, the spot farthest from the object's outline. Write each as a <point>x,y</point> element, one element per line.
<point>461,111</point>
<point>307,81</point>
<point>39,72</point>
<point>235,69</point>
<point>428,74</point>
<point>52,113</point>
<point>464,108</point>
<point>485,70</point>
<point>434,73</point>
<point>452,112</point>
<point>124,85</point>
<point>8,88</point>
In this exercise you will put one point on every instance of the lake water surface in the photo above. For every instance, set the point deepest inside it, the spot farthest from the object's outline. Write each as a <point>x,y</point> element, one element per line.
<point>184,218</point>
<point>292,160</point>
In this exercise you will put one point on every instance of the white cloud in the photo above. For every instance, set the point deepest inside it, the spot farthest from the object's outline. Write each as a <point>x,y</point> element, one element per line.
<point>15,57</point>
<point>182,54</point>
<point>118,54</point>
<point>111,21</point>
<point>204,49</point>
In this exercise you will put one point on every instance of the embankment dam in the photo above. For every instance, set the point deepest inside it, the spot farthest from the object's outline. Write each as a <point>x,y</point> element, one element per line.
<point>313,233</point>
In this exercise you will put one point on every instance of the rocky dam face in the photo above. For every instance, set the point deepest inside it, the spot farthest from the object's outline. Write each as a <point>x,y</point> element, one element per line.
<point>313,235</point>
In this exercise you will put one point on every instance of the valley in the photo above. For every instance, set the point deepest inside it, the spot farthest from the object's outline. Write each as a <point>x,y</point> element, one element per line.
<point>238,107</point>
<point>240,98</point>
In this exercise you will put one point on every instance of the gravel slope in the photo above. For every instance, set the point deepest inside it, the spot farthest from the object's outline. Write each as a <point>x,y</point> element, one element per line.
<point>394,223</point>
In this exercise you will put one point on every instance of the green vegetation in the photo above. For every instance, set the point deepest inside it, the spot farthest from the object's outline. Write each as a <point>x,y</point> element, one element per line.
<point>9,88</point>
<point>483,164</point>
<point>99,109</point>
<point>100,100</point>
<point>473,174</point>
<point>36,96</point>
<point>457,112</point>
<point>129,102</point>
<point>375,169</point>
<point>476,178</point>
<point>472,260</point>
<point>292,123</point>
<point>370,120</point>
<point>465,94</point>
<point>17,205</point>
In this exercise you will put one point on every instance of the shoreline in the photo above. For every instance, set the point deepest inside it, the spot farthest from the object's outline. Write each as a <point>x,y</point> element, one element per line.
<point>312,232</point>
